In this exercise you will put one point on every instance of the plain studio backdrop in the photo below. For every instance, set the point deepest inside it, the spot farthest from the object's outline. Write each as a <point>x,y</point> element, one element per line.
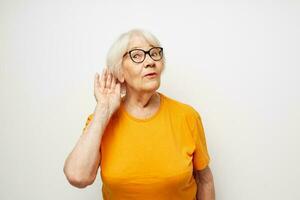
<point>237,63</point>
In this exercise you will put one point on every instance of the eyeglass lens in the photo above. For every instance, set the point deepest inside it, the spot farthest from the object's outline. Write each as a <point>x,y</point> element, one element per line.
<point>138,55</point>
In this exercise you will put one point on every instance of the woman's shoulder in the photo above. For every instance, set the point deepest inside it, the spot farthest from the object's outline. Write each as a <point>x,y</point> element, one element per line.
<point>179,106</point>
<point>183,111</point>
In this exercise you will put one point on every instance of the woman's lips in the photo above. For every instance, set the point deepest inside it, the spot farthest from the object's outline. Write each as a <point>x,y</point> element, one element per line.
<point>151,75</point>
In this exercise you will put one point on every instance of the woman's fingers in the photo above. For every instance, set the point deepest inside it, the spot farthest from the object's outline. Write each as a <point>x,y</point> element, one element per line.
<point>113,83</point>
<point>96,81</point>
<point>108,80</point>
<point>102,80</point>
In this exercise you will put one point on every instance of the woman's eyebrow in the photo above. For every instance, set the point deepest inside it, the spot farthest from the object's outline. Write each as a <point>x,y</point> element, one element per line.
<point>140,47</point>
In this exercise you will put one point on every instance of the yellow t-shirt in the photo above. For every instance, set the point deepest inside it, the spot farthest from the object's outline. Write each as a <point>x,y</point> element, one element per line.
<point>154,158</point>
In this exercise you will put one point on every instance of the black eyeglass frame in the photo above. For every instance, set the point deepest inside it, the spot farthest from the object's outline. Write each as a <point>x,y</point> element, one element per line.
<point>145,54</point>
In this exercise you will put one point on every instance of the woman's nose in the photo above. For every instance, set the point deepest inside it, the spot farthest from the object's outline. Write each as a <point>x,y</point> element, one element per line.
<point>148,61</point>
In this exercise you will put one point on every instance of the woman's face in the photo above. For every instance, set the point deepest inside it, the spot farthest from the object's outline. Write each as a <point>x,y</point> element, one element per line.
<point>135,74</point>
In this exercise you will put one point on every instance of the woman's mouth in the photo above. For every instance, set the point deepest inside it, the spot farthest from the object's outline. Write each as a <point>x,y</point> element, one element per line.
<point>151,75</point>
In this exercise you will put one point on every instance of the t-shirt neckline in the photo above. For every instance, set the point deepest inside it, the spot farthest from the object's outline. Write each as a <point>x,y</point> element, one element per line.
<point>147,119</point>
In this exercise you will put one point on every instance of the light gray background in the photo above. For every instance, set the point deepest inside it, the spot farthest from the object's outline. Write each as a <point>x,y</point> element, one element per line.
<point>237,63</point>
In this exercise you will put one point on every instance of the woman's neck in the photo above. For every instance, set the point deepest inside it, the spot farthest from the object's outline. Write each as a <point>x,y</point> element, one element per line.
<point>141,100</point>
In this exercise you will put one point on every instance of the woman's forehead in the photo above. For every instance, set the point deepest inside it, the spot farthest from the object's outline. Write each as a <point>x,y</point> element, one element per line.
<point>139,42</point>
<point>141,47</point>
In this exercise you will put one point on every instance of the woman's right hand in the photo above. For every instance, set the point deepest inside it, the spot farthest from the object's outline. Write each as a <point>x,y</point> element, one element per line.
<point>107,91</point>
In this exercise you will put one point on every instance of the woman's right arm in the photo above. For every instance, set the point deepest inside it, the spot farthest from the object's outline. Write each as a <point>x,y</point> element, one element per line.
<point>81,165</point>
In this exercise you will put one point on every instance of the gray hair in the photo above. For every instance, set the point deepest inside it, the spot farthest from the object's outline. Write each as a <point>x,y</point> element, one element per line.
<point>120,47</point>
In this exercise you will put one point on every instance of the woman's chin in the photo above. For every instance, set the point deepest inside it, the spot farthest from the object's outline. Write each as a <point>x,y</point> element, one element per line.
<point>151,87</point>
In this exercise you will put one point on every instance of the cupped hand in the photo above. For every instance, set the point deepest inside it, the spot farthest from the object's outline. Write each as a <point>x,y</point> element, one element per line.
<point>107,91</point>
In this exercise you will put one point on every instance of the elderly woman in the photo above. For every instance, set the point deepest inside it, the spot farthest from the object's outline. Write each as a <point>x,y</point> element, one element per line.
<point>148,145</point>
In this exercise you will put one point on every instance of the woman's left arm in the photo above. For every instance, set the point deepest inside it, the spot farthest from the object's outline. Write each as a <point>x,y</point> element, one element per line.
<point>205,184</point>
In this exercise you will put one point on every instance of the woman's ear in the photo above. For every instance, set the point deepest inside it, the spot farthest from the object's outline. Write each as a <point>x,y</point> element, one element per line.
<point>121,79</point>
<point>120,76</point>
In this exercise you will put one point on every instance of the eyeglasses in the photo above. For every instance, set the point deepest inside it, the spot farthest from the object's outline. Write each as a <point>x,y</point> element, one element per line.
<point>139,55</point>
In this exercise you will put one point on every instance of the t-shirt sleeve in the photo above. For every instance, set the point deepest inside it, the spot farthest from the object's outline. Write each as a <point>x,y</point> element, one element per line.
<point>201,156</point>
<point>88,121</point>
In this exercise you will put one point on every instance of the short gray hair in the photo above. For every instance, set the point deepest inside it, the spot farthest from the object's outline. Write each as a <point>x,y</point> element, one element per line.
<point>120,47</point>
